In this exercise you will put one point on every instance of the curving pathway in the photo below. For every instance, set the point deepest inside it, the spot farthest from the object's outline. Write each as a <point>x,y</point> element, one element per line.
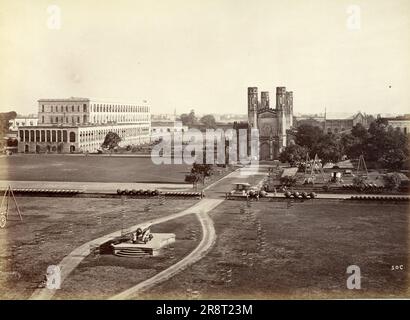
<point>208,239</point>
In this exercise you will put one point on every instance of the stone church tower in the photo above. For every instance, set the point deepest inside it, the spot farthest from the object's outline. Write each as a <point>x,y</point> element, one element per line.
<point>253,105</point>
<point>272,123</point>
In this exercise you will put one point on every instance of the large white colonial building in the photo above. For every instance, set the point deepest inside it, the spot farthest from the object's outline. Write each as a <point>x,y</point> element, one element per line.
<point>81,124</point>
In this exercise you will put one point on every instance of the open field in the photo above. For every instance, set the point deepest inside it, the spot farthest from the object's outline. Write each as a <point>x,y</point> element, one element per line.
<point>299,250</point>
<point>102,276</point>
<point>88,169</point>
<point>53,227</point>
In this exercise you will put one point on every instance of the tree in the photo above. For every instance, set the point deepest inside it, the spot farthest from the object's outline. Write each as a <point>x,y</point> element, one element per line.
<point>5,117</point>
<point>359,131</point>
<point>111,141</point>
<point>376,144</point>
<point>397,149</point>
<point>192,178</point>
<point>328,148</point>
<point>293,154</point>
<point>392,181</point>
<point>189,119</point>
<point>308,136</point>
<point>355,143</point>
<point>359,182</point>
<point>208,121</point>
<point>351,145</point>
<point>288,181</point>
<point>203,170</point>
<point>387,146</point>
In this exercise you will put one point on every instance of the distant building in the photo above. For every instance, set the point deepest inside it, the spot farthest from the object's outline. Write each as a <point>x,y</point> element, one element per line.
<point>231,118</point>
<point>337,124</point>
<point>314,121</point>
<point>81,124</point>
<point>21,121</point>
<point>158,128</point>
<point>163,117</point>
<point>401,122</point>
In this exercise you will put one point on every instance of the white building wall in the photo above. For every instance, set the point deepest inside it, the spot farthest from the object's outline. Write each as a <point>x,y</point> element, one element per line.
<point>91,120</point>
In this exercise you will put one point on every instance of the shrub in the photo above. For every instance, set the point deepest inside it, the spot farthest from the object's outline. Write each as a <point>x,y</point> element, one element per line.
<point>288,181</point>
<point>392,181</point>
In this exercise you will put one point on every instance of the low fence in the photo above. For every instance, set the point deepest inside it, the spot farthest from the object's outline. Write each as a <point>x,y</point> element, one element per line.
<point>381,198</point>
<point>37,191</point>
<point>155,193</point>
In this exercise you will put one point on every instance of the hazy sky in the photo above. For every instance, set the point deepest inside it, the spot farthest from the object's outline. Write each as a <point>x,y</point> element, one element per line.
<point>187,54</point>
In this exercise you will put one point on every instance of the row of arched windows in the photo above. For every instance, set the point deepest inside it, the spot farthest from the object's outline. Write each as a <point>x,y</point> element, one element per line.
<point>46,136</point>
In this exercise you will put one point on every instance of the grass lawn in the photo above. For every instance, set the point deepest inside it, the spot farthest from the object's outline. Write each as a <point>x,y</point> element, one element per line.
<point>25,167</point>
<point>299,250</point>
<point>53,227</point>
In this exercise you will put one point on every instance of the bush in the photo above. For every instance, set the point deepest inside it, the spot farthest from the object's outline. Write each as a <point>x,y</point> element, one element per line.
<point>192,178</point>
<point>288,181</point>
<point>392,181</point>
<point>359,182</point>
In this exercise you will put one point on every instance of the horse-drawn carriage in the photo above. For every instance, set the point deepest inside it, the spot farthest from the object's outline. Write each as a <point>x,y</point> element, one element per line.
<point>243,190</point>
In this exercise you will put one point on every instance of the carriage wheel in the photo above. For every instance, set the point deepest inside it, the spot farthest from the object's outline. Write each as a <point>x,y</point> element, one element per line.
<point>3,220</point>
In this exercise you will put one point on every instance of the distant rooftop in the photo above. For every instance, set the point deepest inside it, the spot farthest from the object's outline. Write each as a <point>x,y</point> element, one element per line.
<point>26,116</point>
<point>64,99</point>
<point>92,100</point>
<point>398,118</point>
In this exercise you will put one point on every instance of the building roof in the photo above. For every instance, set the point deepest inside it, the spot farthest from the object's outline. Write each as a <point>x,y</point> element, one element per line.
<point>64,99</point>
<point>29,116</point>
<point>166,123</point>
<point>343,116</point>
<point>92,100</point>
<point>399,118</point>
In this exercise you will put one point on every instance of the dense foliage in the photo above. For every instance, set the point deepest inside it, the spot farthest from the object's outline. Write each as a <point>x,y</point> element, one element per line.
<point>189,119</point>
<point>111,141</point>
<point>379,143</point>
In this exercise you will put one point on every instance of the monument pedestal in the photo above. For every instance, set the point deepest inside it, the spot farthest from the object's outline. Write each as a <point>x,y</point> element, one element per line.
<point>151,248</point>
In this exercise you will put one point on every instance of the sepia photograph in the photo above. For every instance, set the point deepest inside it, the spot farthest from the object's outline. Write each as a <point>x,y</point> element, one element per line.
<point>204,150</point>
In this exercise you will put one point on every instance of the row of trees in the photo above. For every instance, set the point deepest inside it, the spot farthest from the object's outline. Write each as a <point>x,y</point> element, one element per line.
<point>198,173</point>
<point>380,143</point>
<point>190,120</point>
<point>5,117</point>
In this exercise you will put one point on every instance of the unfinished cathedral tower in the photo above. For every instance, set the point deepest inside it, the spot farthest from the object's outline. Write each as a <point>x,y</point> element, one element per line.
<point>253,105</point>
<point>273,123</point>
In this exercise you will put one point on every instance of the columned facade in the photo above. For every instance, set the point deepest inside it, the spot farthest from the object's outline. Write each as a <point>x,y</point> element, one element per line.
<point>80,125</point>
